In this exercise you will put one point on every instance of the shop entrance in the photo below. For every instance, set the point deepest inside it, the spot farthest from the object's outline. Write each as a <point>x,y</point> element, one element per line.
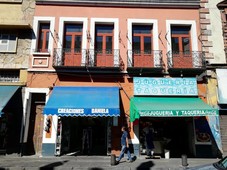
<point>84,135</point>
<point>174,135</point>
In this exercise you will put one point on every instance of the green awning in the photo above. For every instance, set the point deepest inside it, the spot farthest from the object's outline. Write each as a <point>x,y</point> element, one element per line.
<point>169,107</point>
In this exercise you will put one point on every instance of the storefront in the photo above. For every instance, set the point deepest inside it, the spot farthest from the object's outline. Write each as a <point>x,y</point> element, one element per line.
<point>10,119</point>
<point>181,120</point>
<point>222,104</point>
<point>82,117</point>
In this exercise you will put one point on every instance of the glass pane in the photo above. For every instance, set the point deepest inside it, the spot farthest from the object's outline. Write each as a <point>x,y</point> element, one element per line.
<point>104,29</point>
<point>99,44</point>
<point>109,44</point>
<point>44,26</point>
<point>136,44</point>
<point>175,45</point>
<point>147,45</point>
<point>47,40</point>
<point>41,40</point>
<point>186,45</point>
<point>142,29</point>
<point>44,29</point>
<point>73,27</point>
<point>13,37</point>
<point>180,30</point>
<point>68,42</point>
<point>77,44</point>
<point>4,39</point>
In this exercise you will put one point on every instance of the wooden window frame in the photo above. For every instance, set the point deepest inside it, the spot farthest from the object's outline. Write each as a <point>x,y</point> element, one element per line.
<point>73,34</point>
<point>42,43</point>
<point>142,36</point>
<point>104,35</point>
<point>180,44</point>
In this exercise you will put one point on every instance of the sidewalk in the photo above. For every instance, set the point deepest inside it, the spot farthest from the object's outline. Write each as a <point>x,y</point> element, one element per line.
<point>94,163</point>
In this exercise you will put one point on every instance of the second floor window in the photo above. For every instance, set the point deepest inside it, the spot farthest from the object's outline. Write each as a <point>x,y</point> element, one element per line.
<point>104,39</point>
<point>43,37</point>
<point>180,40</point>
<point>73,38</point>
<point>72,44</point>
<point>142,39</point>
<point>8,43</point>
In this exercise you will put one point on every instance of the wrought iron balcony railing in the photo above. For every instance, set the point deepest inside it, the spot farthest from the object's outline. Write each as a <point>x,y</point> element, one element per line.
<point>69,57</point>
<point>146,58</point>
<point>104,58</point>
<point>190,59</point>
<point>91,58</point>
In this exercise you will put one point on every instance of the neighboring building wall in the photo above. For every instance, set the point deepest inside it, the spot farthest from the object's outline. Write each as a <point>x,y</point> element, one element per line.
<point>211,34</point>
<point>16,18</point>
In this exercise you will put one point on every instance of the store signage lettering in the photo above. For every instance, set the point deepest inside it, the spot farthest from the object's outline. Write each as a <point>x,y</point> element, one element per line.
<point>165,86</point>
<point>70,110</point>
<point>167,113</point>
<point>94,110</point>
<point>99,110</point>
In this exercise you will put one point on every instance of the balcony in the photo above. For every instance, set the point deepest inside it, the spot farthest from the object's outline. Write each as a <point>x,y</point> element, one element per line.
<point>146,61</point>
<point>184,61</point>
<point>64,57</point>
<point>87,59</point>
<point>149,59</point>
<point>104,58</point>
<point>193,59</point>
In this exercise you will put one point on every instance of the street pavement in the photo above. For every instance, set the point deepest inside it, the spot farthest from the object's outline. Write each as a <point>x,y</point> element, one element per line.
<point>95,163</point>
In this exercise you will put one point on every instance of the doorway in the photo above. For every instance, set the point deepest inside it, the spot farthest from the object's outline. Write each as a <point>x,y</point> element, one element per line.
<point>35,131</point>
<point>171,134</point>
<point>84,135</point>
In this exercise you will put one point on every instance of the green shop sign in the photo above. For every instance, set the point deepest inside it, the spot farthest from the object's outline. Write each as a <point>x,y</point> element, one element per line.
<point>146,86</point>
<point>184,113</point>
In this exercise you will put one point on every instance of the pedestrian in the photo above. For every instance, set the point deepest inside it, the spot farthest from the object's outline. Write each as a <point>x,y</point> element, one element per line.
<point>148,132</point>
<point>124,145</point>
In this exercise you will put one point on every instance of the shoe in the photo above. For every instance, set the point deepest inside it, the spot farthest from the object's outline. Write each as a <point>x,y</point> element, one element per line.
<point>117,162</point>
<point>130,161</point>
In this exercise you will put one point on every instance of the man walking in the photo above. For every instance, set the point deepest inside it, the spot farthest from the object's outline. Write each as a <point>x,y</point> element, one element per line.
<point>124,146</point>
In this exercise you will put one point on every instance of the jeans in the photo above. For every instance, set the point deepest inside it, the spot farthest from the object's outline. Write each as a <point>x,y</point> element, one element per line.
<point>123,149</point>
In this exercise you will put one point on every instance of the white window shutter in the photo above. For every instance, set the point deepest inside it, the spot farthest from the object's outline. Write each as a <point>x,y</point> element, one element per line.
<point>8,43</point>
<point>12,43</point>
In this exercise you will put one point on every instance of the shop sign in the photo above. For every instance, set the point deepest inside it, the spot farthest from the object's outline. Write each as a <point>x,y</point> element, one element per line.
<point>82,111</point>
<point>165,86</point>
<point>183,113</point>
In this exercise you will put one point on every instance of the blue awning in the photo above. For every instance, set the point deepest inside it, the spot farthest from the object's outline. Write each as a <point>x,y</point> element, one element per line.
<point>6,92</point>
<point>83,101</point>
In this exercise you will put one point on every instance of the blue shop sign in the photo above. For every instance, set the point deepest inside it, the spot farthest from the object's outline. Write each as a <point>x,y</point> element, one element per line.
<point>165,86</point>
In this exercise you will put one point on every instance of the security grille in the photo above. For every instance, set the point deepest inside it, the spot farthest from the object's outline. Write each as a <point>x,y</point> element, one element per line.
<point>9,75</point>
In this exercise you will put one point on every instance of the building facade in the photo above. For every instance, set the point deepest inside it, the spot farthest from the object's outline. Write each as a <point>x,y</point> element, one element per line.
<point>15,39</point>
<point>221,75</point>
<point>86,60</point>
